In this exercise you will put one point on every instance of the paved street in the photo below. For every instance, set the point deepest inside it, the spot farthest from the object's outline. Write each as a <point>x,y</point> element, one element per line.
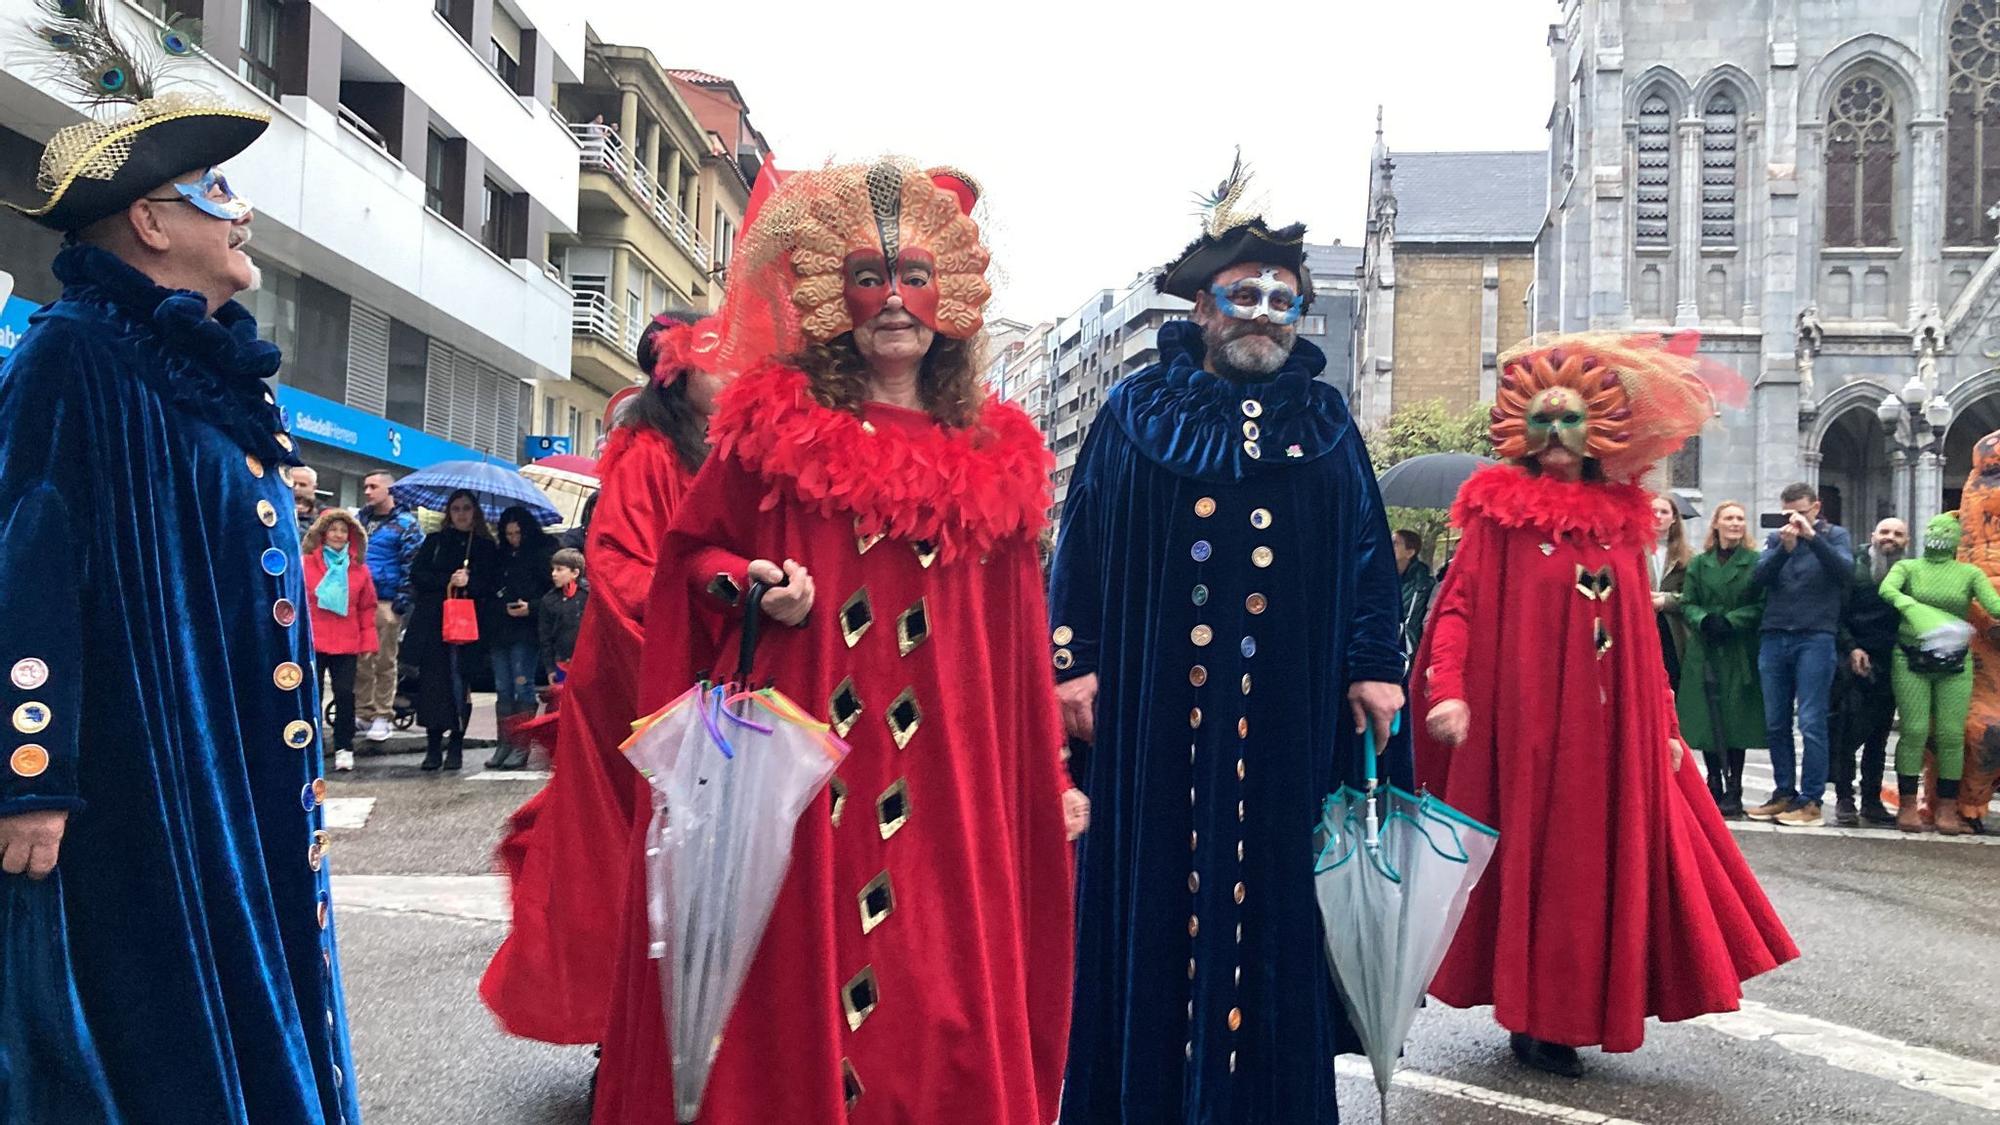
<point>1881,1021</point>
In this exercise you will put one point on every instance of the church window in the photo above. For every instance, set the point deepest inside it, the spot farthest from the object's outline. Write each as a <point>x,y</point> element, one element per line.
<point>1720,154</point>
<point>1655,170</point>
<point>1972,124</point>
<point>1861,156</point>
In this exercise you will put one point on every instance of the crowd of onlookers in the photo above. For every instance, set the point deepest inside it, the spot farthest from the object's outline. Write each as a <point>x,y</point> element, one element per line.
<point>378,586</point>
<point>1784,648</point>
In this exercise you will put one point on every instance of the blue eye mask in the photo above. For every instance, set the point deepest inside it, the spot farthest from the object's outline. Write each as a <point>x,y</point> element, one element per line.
<point>1264,295</point>
<point>211,195</point>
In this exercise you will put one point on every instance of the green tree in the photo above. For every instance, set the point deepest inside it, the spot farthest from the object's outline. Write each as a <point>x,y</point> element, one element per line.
<point>1427,427</point>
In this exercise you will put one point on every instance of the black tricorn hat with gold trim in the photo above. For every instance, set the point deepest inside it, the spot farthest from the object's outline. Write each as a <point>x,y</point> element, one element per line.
<point>95,169</point>
<point>1230,238</point>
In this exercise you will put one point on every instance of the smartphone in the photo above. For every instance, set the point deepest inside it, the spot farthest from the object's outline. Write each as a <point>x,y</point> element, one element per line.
<point>1772,521</point>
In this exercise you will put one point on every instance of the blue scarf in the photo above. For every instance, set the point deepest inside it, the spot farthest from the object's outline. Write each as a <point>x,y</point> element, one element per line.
<point>332,592</point>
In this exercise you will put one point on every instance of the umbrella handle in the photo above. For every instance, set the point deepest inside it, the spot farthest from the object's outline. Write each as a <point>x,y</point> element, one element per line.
<point>753,604</point>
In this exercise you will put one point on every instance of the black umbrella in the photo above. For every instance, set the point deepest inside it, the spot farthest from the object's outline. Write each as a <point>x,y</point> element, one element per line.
<point>1684,506</point>
<point>1429,481</point>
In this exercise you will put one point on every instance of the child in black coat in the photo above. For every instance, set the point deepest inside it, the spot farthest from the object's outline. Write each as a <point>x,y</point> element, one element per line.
<point>562,611</point>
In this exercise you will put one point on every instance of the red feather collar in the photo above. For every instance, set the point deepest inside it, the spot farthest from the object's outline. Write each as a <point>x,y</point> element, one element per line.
<point>1620,515</point>
<point>962,490</point>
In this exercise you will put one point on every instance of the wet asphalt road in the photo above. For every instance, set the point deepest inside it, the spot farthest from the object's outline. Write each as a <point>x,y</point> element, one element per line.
<point>1901,940</point>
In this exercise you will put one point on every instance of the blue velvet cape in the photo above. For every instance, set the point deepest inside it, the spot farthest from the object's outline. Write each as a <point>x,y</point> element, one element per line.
<point>1203,994</point>
<point>180,966</point>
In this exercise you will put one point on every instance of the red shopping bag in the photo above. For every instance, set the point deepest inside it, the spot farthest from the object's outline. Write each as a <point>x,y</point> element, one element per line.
<point>461,620</point>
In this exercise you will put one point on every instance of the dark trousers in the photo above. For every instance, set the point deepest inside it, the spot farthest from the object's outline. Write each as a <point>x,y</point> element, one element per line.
<point>340,667</point>
<point>1864,709</point>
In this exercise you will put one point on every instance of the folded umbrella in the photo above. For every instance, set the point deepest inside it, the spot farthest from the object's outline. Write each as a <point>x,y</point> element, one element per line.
<point>731,769</point>
<point>1393,875</point>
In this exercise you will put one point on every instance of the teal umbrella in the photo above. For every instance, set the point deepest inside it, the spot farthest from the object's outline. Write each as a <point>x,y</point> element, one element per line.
<point>1392,878</point>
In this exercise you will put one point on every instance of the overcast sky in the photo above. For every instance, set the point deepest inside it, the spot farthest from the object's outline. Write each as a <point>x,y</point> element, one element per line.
<point>1092,123</point>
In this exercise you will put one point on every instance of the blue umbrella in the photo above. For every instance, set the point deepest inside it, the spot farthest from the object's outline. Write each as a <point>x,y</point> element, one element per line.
<point>498,487</point>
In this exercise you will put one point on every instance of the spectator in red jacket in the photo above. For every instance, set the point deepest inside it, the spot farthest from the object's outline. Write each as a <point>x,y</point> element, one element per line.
<point>341,594</point>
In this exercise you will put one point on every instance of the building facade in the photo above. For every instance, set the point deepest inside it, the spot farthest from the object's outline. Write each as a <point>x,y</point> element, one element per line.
<point>1111,335</point>
<point>1336,311</point>
<point>664,162</point>
<point>1445,275</point>
<point>1812,187</point>
<point>406,192</point>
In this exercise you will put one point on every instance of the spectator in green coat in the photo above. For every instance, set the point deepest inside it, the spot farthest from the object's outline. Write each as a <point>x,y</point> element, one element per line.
<point>1719,685</point>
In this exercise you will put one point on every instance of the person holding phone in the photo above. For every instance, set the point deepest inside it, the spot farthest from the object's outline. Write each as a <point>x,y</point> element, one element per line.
<point>1804,570</point>
<point>512,628</point>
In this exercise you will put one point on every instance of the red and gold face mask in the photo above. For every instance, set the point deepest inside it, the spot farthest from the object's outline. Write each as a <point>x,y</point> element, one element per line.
<point>870,283</point>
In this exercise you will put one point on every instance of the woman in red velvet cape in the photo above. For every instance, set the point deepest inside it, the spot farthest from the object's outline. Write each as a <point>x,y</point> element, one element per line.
<point>954,1006</point>
<point>1617,892</point>
<point>564,850</point>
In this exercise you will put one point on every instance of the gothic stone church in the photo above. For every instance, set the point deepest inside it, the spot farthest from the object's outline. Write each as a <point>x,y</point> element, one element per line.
<point>1814,186</point>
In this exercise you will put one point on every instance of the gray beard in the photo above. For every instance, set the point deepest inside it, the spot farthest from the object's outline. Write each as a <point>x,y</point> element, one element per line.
<point>1254,353</point>
<point>1880,561</point>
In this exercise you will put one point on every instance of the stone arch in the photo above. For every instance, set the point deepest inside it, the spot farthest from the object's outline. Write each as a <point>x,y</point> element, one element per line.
<point>1848,396</point>
<point>1856,481</point>
<point>1975,412</point>
<point>1915,86</point>
<point>1665,80</point>
<point>1730,76</point>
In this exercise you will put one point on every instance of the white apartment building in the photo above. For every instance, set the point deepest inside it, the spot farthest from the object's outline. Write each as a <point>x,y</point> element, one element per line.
<point>406,191</point>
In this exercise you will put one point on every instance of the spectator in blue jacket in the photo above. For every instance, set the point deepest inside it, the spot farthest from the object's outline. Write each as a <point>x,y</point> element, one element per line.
<point>1804,570</point>
<point>393,539</point>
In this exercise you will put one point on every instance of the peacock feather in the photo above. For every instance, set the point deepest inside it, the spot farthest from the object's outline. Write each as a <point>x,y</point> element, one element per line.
<point>1221,208</point>
<point>83,55</point>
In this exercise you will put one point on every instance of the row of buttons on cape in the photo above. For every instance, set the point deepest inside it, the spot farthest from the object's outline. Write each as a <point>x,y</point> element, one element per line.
<point>30,759</point>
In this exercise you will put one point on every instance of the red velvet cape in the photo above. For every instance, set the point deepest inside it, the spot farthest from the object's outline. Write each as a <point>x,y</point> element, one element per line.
<point>564,850</point>
<point>972,966</point>
<point>1617,892</point>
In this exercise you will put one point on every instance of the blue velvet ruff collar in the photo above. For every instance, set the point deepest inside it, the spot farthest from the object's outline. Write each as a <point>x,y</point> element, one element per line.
<point>213,368</point>
<point>1191,422</point>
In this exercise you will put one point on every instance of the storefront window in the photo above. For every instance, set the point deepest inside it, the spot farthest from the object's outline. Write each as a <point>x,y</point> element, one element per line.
<point>409,363</point>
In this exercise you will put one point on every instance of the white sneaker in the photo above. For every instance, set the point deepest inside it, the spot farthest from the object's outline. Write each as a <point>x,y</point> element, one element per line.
<point>343,761</point>
<point>378,731</point>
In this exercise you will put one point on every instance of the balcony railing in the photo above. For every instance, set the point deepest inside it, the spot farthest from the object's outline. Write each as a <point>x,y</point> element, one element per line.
<point>603,150</point>
<point>593,314</point>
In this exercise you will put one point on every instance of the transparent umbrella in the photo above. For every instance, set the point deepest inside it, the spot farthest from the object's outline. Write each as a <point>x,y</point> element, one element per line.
<point>1392,878</point>
<point>731,770</point>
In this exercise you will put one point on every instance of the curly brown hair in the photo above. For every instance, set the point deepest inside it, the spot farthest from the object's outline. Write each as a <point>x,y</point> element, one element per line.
<point>948,384</point>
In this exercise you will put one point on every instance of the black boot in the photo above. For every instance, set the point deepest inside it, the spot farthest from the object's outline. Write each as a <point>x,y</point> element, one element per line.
<point>1732,785</point>
<point>1712,765</point>
<point>454,754</point>
<point>1553,1058</point>
<point>433,750</point>
<point>501,753</point>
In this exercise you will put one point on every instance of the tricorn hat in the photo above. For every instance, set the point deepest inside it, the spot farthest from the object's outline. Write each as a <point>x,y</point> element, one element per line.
<point>95,169</point>
<point>1229,237</point>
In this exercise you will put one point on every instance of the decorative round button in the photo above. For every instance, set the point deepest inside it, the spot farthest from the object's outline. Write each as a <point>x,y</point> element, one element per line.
<point>1194,883</point>
<point>32,717</point>
<point>267,514</point>
<point>29,760</point>
<point>284,441</point>
<point>255,466</point>
<point>1194,718</point>
<point>1261,518</point>
<point>1253,450</point>
<point>1239,894</point>
<point>1205,507</point>
<point>284,612</point>
<point>1239,777</point>
<point>1249,646</point>
<point>306,798</point>
<point>319,790</point>
<point>1261,557</point>
<point>1201,635</point>
<point>1200,594</point>
<point>298,734</point>
<point>1235,1018</point>
<point>288,676</point>
<point>1190,977</point>
<point>1200,551</point>
<point>1194,926</point>
<point>29,673</point>
<point>1063,635</point>
<point>1064,660</point>
<point>1251,431</point>
<point>1243,728</point>
<point>315,855</point>
<point>273,561</point>
<point>1256,603</point>
<point>1239,855</point>
<point>1239,812</point>
<point>1194,841</point>
<point>1252,408</point>
<point>325,910</point>
<point>1246,683</point>
<point>1197,675</point>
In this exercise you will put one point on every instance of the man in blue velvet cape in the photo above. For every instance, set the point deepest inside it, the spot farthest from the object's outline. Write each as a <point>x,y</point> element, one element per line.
<point>166,953</point>
<point>1226,616</point>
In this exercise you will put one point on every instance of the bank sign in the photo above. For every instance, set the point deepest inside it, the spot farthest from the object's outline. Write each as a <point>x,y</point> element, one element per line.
<point>340,426</point>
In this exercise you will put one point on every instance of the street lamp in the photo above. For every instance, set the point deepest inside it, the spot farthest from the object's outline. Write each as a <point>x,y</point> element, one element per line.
<point>1915,421</point>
